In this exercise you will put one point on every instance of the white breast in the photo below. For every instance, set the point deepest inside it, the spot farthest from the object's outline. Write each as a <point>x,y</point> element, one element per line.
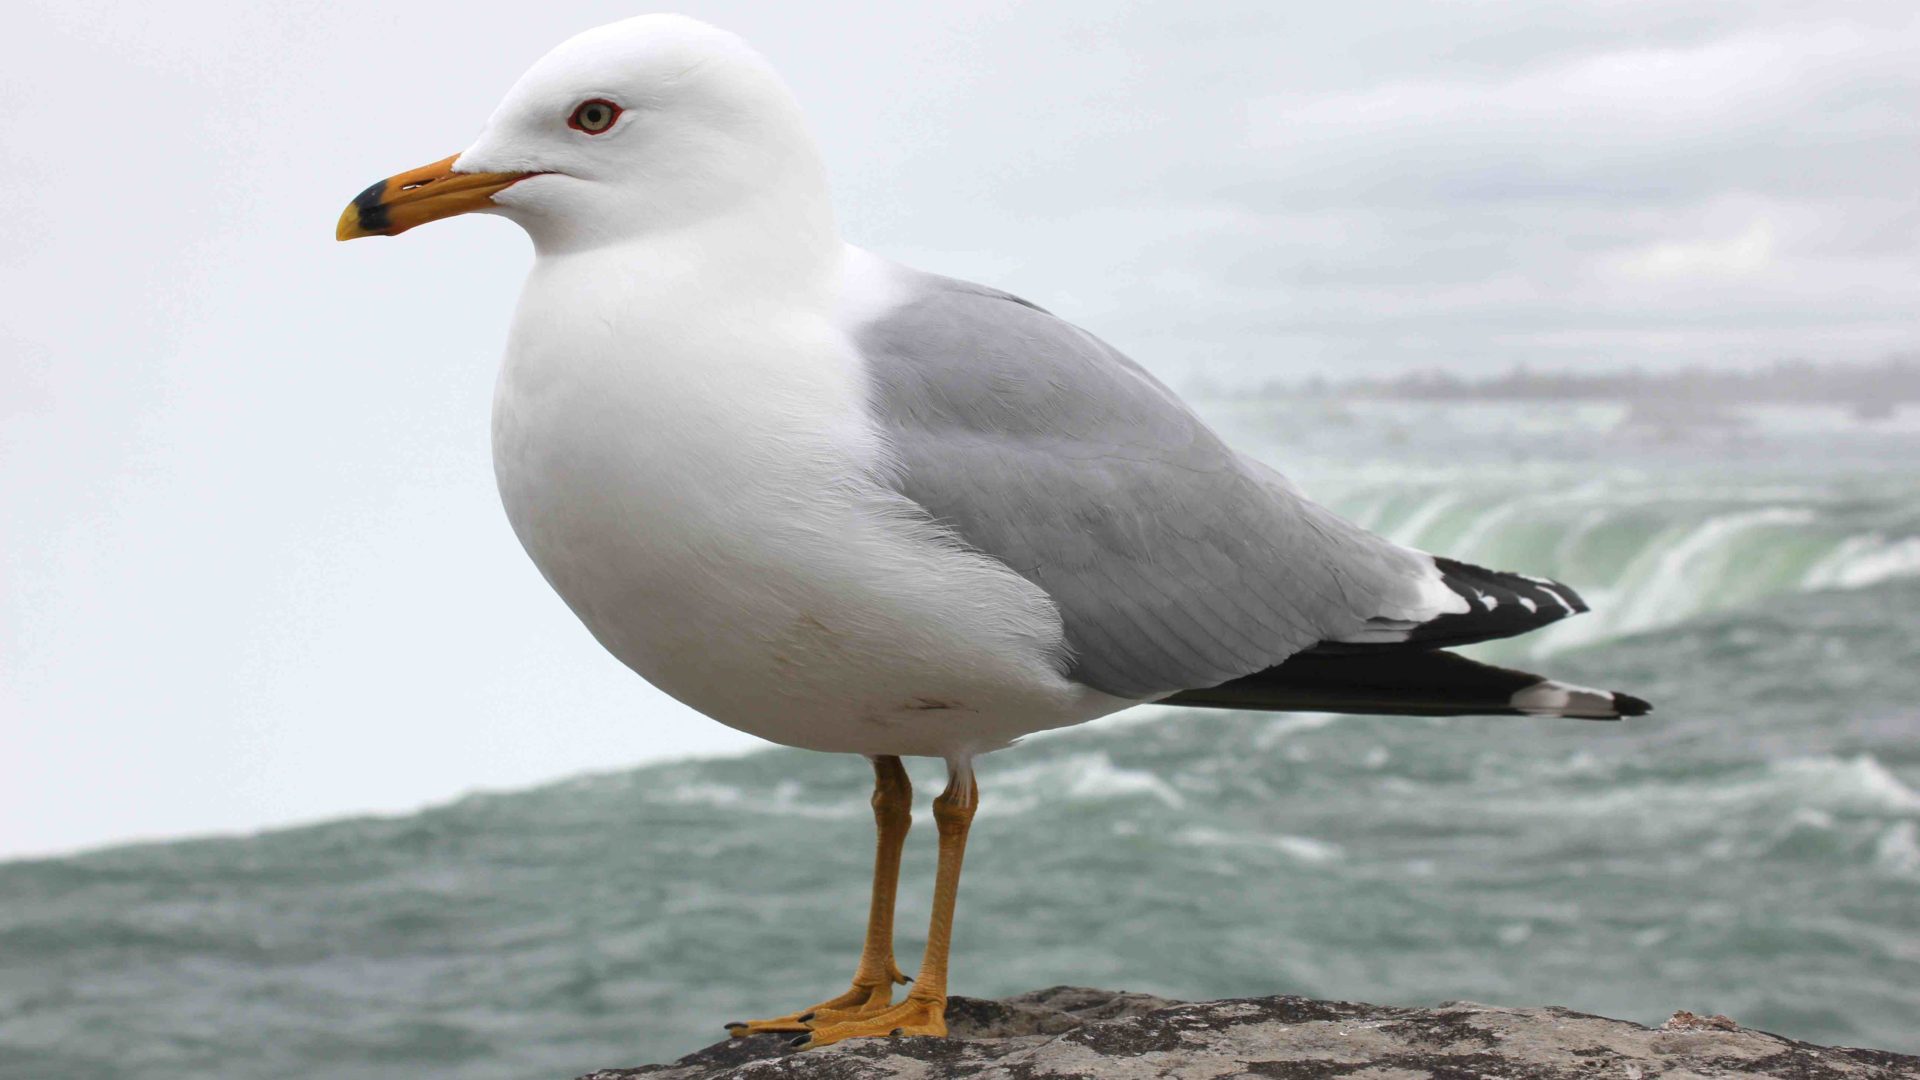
<point>695,476</point>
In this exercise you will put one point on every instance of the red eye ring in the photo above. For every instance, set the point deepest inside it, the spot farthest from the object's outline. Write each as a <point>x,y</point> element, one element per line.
<point>594,117</point>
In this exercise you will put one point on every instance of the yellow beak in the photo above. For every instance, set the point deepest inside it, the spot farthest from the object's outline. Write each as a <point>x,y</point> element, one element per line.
<point>428,193</point>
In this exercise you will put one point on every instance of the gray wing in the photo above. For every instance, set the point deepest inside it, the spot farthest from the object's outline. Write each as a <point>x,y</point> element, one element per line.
<point>1175,562</point>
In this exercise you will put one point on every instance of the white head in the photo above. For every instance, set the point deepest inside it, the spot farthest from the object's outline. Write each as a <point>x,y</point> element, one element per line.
<point>648,125</point>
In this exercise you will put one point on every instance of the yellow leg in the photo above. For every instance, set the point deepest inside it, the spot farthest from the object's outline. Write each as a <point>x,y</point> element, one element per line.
<point>924,1011</point>
<point>873,980</point>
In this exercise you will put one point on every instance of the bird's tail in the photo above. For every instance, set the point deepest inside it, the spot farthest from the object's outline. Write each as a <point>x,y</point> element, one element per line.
<point>1405,682</point>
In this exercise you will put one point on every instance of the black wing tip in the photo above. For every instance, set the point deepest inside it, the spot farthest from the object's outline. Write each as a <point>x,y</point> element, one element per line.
<point>1500,604</point>
<point>1409,683</point>
<point>1628,705</point>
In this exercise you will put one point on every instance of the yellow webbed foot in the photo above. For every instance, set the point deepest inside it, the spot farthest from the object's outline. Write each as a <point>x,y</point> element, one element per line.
<point>914,1016</point>
<point>863,1000</point>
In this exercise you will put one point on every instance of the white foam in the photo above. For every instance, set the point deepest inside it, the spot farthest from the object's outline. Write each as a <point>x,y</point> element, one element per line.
<point>1653,602</point>
<point>1859,783</point>
<point>1898,850</point>
<point>1303,848</point>
<point>1089,777</point>
<point>1686,571</point>
<point>1865,560</point>
<point>1282,727</point>
<point>784,800</point>
<point>697,794</point>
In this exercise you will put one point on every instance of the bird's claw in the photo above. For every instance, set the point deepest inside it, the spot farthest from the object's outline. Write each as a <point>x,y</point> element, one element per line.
<point>914,1016</point>
<point>866,998</point>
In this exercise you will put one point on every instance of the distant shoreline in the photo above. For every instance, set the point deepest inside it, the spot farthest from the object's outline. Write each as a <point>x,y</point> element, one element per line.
<point>1869,389</point>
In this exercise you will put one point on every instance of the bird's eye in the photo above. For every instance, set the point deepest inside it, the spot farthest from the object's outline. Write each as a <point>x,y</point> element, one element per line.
<point>594,117</point>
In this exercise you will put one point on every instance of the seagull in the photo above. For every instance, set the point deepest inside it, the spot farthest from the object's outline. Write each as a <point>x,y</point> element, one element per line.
<point>853,507</point>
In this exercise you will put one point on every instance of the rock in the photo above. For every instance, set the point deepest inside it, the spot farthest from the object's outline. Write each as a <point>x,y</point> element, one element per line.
<point>1074,1032</point>
<point>1686,1021</point>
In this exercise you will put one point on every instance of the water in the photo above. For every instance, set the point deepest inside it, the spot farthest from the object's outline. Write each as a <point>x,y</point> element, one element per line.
<point>1752,848</point>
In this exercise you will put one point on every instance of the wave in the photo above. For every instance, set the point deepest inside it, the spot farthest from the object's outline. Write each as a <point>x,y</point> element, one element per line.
<point>1302,848</point>
<point>1866,560</point>
<point>784,800</point>
<point>1818,786</point>
<point>1078,778</point>
<point>1648,554</point>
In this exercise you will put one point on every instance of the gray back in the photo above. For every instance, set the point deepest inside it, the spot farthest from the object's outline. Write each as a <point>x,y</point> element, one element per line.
<point>1175,562</point>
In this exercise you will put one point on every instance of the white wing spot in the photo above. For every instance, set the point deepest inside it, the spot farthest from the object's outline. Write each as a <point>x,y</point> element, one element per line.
<point>1547,587</point>
<point>1550,698</point>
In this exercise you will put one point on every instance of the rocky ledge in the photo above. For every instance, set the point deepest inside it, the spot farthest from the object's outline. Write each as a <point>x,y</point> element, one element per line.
<point>1073,1032</point>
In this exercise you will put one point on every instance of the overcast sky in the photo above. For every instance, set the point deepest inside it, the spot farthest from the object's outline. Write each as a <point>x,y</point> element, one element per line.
<point>253,568</point>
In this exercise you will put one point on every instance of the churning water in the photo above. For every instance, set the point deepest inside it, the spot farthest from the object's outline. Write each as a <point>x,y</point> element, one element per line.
<point>1752,848</point>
